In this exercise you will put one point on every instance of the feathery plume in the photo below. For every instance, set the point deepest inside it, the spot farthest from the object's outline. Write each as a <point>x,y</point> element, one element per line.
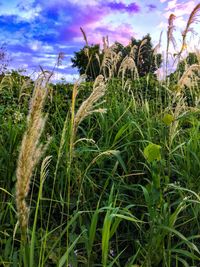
<point>105,43</point>
<point>191,20</point>
<point>185,79</point>
<point>30,152</point>
<point>87,107</point>
<point>84,36</point>
<point>110,60</point>
<point>128,63</point>
<point>170,37</point>
<point>157,47</point>
<point>143,42</point>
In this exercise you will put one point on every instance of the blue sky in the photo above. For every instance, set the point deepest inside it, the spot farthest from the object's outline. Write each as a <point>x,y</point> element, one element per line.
<point>37,30</point>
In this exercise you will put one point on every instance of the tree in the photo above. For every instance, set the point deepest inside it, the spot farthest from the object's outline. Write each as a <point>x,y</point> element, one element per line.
<point>89,58</point>
<point>186,78</point>
<point>183,66</point>
<point>86,60</point>
<point>188,61</point>
<point>145,59</point>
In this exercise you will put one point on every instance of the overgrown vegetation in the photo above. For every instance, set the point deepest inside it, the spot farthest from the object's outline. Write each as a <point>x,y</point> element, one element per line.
<point>90,60</point>
<point>102,173</point>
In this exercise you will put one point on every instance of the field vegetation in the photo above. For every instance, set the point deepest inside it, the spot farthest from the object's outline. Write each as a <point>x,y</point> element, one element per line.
<point>105,171</point>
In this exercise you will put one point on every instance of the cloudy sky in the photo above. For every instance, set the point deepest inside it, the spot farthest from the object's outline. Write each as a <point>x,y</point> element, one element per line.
<point>35,31</point>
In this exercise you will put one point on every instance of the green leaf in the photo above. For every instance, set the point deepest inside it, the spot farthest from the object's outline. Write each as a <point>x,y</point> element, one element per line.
<point>65,256</point>
<point>168,119</point>
<point>121,132</point>
<point>152,152</point>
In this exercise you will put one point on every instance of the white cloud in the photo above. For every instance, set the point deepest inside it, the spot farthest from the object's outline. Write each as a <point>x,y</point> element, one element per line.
<point>162,25</point>
<point>179,9</point>
<point>71,78</point>
<point>22,11</point>
<point>47,48</point>
<point>171,4</point>
<point>65,66</point>
<point>180,22</point>
<point>185,8</point>
<point>35,45</point>
<point>30,13</point>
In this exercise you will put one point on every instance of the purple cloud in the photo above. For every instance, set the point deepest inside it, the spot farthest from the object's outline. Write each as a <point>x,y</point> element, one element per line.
<point>37,30</point>
<point>132,8</point>
<point>151,7</point>
<point>82,18</point>
<point>115,34</point>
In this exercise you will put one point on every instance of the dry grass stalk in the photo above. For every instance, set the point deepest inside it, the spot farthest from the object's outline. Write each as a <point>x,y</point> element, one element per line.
<point>87,107</point>
<point>156,53</point>
<point>191,20</point>
<point>139,57</point>
<point>128,64</point>
<point>133,51</point>
<point>86,49</point>
<point>170,37</point>
<point>185,79</point>
<point>30,152</point>
<point>105,43</point>
<point>110,60</point>
<point>84,36</point>
<point>98,59</point>
<point>157,47</point>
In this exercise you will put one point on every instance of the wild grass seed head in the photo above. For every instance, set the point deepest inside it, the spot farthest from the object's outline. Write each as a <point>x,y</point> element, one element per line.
<point>88,106</point>
<point>30,152</point>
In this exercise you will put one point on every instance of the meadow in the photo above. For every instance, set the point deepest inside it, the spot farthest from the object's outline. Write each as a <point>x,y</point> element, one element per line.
<point>104,172</point>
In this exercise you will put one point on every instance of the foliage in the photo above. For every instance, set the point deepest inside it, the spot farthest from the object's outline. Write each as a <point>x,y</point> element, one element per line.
<point>132,177</point>
<point>146,60</point>
<point>119,183</point>
<point>168,119</point>
<point>89,59</point>
<point>183,65</point>
<point>186,78</point>
<point>152,152</point>
<point>86,61</point>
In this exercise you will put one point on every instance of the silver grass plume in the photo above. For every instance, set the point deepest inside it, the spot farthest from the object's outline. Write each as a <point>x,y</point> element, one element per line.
<point>31,151</point>
<point>170,37</point>
<point>185,79</point>
<point>192,19</point>
<point>88,106</point>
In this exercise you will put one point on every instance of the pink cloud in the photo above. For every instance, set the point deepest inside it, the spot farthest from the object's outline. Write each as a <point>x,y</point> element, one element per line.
<point>122,34</point>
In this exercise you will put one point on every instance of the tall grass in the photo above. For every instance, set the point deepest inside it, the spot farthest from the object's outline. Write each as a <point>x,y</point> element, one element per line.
<point>120,183</point>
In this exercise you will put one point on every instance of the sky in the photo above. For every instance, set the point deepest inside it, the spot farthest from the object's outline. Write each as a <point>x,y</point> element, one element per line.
<point>36,31</point>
